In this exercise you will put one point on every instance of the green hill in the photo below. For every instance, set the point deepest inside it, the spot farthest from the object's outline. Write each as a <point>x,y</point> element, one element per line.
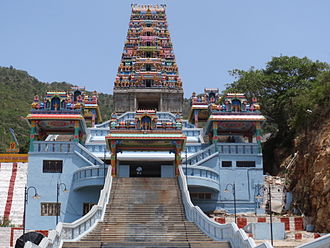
<point>17,89</point>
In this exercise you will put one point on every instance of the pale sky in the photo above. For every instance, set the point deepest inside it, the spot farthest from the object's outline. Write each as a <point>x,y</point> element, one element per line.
<point>80,41</point>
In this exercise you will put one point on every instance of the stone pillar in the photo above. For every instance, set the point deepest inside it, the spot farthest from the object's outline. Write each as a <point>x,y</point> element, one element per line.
<point>113,157</point>
<point>258,135</point>
<point>196,117</point>
<point>160,103</point>
<point>215,132</point>
<point>93,117</point>
<point>76,132</point>
<point>32,135</point>
<point>177,158</point>
<point>135,103</point>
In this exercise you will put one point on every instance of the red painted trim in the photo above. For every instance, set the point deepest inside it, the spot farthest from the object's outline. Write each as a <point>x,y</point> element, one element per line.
<point>261,219</point>
<point>221,220</point>
<point>54,116</point>
<point>241,222</point>
<point>286,222</point>
<point>298,224</point>
<point>12,234</point>
<point>10,192</point>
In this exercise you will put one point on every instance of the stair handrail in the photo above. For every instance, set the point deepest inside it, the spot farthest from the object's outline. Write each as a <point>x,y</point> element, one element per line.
<point>89,154</point>
<point>77,229</point>
<point>201,152</point>
<point>103,124</point>
<point>322,242</point>
<point>222,232</point>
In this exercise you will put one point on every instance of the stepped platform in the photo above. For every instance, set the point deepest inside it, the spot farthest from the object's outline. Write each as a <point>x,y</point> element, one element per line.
<point>145,213</point>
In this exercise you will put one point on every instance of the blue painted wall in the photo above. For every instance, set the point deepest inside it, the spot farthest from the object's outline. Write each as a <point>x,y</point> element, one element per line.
<point>46,187</point>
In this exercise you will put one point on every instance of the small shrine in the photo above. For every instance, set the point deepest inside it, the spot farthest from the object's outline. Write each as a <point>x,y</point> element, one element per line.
<point>145,133</point>
<point>234,119</point>
<point>200,104</point>
<point>63,113</point>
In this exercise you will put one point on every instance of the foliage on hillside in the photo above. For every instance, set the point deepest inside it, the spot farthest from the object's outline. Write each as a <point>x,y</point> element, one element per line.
<point>17,89</point>
<point>293,93</point>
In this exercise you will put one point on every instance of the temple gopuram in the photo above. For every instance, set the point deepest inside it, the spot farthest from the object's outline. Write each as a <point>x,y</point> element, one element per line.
<point>77,160</point>
<point>148,75</point>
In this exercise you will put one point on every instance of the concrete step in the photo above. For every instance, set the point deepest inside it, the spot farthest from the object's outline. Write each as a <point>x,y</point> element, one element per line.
<point>183,244</point>
<point>145,213</point>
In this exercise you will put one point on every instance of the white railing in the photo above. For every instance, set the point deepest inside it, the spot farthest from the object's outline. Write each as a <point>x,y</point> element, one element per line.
<point>221,232</point>
<point>322,242</point>
<point>77,229</point>
<point>90,175</point>
<point>103,124</point>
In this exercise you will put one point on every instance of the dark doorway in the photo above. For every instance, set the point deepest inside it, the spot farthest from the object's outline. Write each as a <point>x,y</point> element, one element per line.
<point>76,94</point>
<point>148,83</point>
<point>145,170</point>
<point>144,104</point>
<point>55,103</point>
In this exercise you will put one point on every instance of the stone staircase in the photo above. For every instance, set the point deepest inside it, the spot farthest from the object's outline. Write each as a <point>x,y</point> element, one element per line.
<point>145,213</point>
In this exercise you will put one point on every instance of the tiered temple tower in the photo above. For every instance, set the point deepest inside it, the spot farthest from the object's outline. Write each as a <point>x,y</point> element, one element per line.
<point>148,76</point>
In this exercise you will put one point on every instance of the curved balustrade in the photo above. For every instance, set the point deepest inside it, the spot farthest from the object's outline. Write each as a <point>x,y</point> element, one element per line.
<point>77,229</point>
<point>222,232</point>
<point>202,176</point>
<point>89,176</point>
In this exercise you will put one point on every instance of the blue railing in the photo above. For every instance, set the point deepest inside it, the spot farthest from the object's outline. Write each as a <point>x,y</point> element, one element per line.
<point>203,172</point>
<point>201,155</point>
<point>99,132</point>
<point>238,148</point>
<point>96,148</point>
<point>53,146</point>
<point>66,147</point>
<point>191,132</point>
<point>83,152</point>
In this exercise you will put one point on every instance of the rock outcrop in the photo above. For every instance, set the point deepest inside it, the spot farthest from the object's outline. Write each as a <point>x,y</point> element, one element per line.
<point>309,176</point>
